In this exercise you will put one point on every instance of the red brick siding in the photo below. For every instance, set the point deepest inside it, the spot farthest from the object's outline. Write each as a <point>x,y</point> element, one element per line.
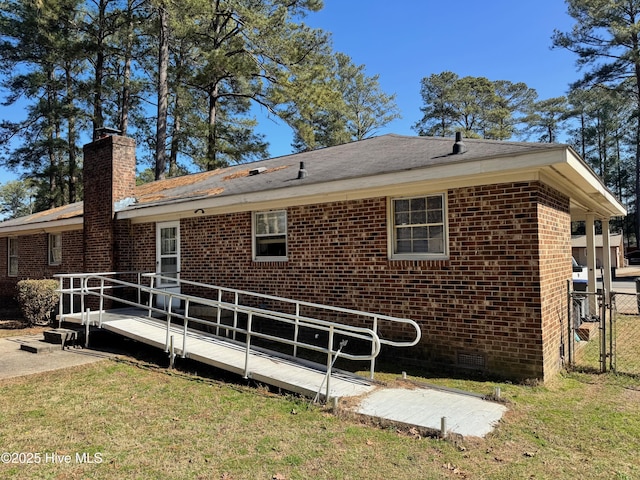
<point>555,259</point>
<point>497,298</point>
<point>141,248</point>
<point>109,176</point>
<point>33,259</point>
<point>485,301</point>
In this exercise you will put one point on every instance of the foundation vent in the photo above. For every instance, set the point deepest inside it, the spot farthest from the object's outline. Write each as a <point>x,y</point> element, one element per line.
<point>471,360</point>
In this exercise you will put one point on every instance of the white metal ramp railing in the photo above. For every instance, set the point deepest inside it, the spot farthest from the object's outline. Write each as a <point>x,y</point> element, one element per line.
<point>236,312</point>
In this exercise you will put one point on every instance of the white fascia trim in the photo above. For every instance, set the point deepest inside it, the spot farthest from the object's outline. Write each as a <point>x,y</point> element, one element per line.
<point>599,191</point>
<point>53,226</point>
<point>587,192</point>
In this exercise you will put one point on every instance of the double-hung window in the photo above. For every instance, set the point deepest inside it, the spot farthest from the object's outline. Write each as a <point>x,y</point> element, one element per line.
<point>270,235</point>
<point>12,247</point>
<point>55,248</point>
<point>418,227</point>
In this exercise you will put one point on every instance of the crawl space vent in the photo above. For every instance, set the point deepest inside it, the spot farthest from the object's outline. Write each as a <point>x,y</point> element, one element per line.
<point>471,360</point>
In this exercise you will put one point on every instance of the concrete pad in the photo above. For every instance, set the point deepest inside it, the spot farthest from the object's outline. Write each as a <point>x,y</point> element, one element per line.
<point>466,414</point>
<point>15,362</point>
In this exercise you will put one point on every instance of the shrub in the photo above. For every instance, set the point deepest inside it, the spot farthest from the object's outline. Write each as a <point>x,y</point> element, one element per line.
<point>37,299</point>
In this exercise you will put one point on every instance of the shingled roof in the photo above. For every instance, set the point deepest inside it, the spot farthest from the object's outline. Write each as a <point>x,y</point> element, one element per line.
<point>370,157</point>
<point>376,162</point>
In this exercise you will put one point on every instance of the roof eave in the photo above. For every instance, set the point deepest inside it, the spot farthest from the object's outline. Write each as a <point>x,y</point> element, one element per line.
<point>53,226</point>
<point>528,166</point>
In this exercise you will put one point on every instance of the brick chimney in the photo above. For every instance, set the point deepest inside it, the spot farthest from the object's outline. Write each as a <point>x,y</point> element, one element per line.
<point>109,174</point>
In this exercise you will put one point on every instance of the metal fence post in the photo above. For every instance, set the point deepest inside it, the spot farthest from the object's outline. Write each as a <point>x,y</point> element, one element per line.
<point>603,330</point>
<point>569,324</point>
<point>612,364</point>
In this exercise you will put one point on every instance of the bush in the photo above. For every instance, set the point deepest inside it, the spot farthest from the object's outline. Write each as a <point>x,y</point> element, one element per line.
<point>37,299</point>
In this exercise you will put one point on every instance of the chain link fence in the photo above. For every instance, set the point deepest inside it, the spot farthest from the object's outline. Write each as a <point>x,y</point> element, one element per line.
<point>604,337</point>
<point>625,333</point>
<point>585,331</point>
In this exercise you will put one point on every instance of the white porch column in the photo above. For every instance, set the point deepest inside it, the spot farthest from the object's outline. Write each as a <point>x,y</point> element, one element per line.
<point>591,262</point>
<point>606,257</point>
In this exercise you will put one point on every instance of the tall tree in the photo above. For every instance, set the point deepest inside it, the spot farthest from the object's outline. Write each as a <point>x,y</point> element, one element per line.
<point>163,91</point>
<point>40,59</point>
<point>438,109</point>
<point>546,118</point>
<point>16,199</point>
<point>180,77</point>
<point>603,117</point>
<point>512,101</point>
<point>307,98</point>
<point>476,106</point>
<point>606,40</point>
<point>238,49</point>
<point>332,102</point>
<point>367,107</point>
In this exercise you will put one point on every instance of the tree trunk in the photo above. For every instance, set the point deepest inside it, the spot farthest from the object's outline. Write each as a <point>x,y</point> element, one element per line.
<point>636,228</point>
<point>71,135</point>
<point>211,138</point>
<point>175,137</point>
<point>98,117</point>
<point>163,93</point>
<point>126,80</point>
<point>51,154</point>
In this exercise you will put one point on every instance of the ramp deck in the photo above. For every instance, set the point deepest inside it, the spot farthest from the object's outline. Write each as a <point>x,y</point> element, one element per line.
<point>267,367</point>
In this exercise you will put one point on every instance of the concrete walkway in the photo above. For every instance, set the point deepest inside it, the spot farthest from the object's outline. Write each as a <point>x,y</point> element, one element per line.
<point>465,414</point>
<point>17,363</point>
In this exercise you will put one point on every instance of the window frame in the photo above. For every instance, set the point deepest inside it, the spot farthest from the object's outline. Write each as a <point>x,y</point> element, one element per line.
<point>12,242</point>
<point>255,236</point>
<point>393,229</point>
<point>53,248</point>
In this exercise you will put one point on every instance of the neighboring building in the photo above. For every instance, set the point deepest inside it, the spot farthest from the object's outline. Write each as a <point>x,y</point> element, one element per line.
<point>472,240</point>
<point>616,245</point>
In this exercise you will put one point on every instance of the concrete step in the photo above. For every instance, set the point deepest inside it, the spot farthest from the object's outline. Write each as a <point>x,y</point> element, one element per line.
<point>61,336</point>
<point>39,346</point>
<point>54,339</point>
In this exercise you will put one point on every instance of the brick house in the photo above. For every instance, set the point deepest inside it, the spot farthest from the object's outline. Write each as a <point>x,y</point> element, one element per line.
<point>471,239</point>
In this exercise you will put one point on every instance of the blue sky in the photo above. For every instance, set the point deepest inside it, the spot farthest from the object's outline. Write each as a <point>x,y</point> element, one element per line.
<point>406,40</point>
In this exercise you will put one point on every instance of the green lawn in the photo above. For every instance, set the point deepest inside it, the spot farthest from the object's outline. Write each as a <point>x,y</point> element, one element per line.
<point>144,422</point>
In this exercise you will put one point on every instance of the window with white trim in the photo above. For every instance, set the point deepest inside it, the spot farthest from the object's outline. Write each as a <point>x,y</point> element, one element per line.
<point>270,235</point>
<point>419,228</point>
<point>12,248</point>
<point>55,248</point>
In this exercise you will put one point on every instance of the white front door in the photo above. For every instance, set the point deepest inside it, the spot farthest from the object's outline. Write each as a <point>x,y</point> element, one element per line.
<point>168,261</point>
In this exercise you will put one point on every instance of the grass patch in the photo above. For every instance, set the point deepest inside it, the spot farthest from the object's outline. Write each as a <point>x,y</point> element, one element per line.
<point>141,421</point>
<point>146,422</point>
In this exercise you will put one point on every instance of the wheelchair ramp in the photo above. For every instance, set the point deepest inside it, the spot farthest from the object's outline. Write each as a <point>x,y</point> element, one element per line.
<point>290,374</point>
